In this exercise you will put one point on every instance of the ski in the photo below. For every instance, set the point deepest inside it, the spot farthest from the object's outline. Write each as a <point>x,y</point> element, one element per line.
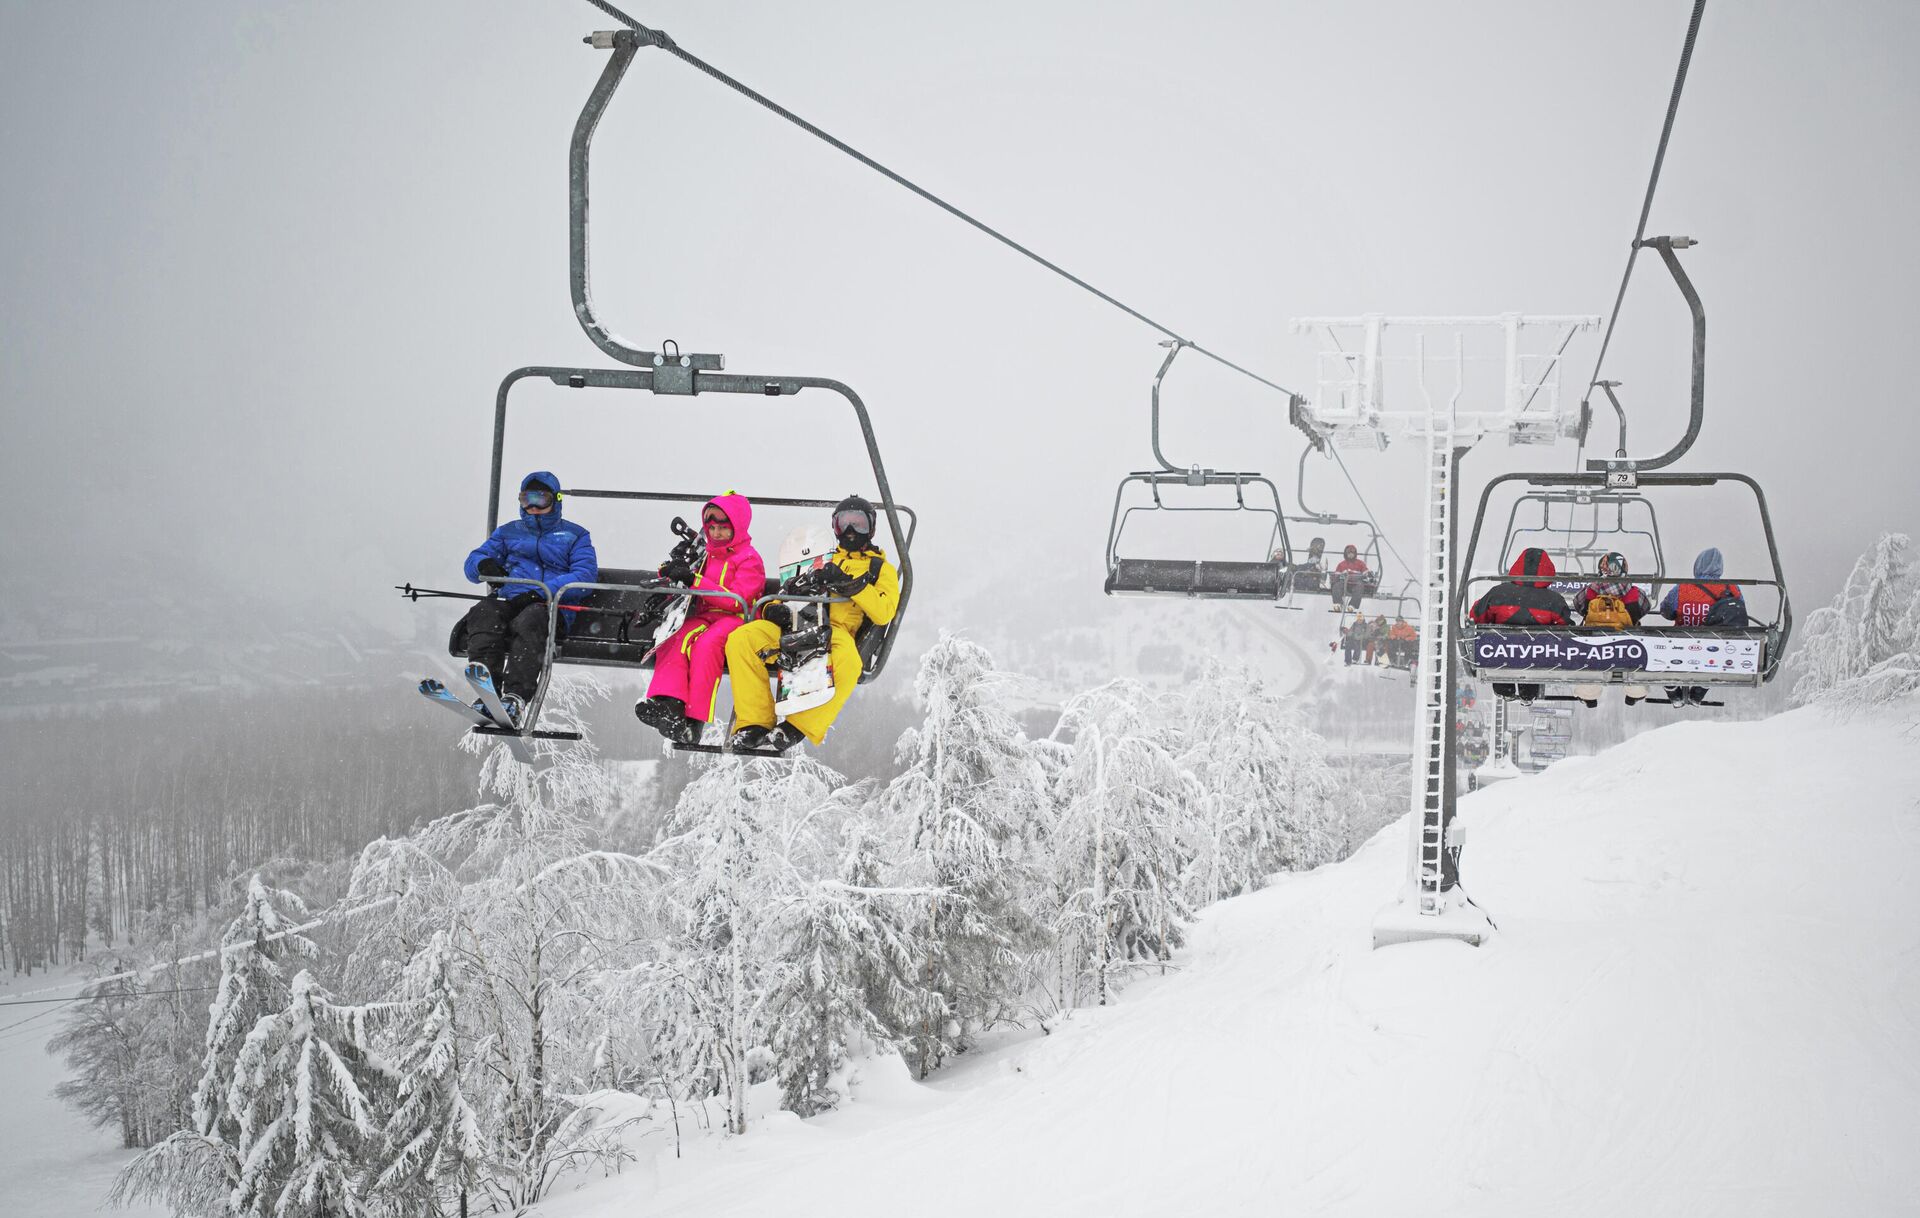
<point>440,695</point>
<point>500,723</point>
<point>482,682</point>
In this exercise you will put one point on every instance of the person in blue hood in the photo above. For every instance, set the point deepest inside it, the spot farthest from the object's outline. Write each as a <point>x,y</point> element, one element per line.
<point>1707,601</point>
<point>508,630</point>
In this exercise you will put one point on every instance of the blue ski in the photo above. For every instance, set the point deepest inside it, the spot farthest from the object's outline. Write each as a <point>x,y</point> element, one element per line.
<point>482,682</point>
<point>439,694</point>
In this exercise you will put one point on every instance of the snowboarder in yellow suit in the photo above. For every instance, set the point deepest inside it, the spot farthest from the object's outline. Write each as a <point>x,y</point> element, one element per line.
<point>856,570</point>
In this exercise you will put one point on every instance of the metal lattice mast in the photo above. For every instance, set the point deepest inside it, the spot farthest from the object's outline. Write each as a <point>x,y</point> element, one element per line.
<point>1433,712</point>
<point>1358,375</point>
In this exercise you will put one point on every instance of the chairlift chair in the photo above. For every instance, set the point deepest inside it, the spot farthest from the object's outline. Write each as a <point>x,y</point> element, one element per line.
<point>599,632</point>
<point>1733,656</point>
<point>1736,656</point>
<point>1260,577</point>
<point>1311,571</point>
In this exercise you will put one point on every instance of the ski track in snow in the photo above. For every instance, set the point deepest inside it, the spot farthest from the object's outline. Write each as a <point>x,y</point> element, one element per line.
<point>1701,1001</point>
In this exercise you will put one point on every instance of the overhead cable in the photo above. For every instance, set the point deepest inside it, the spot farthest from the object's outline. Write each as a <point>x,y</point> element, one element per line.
<point>1646,205</point>
<point>666,43</point>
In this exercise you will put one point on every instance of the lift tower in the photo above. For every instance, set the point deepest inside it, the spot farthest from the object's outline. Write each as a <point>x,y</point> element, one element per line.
<point>1388,377</point>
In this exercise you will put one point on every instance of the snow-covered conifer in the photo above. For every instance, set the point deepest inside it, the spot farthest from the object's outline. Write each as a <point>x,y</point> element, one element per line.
<point>848,951</point>
<point>738,832</point>
<point>193,1167</point>
<point>1117,848</point>
<point>433,1139</point>
<point>309,1093</point>
<point>1266,794</point>
<point>974,804</point>
<point>1864,648</point>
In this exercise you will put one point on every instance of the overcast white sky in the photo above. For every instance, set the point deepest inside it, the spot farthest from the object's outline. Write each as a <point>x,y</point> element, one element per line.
<point>262,265</point>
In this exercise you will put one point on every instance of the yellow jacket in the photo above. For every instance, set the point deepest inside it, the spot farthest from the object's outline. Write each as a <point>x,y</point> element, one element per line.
<point>876,602</point>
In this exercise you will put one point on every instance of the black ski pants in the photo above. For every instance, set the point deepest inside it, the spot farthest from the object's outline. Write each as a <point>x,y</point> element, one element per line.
<point>510,638</point>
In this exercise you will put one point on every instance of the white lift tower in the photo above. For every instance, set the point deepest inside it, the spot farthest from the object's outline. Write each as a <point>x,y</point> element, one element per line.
<point>1389,377</point>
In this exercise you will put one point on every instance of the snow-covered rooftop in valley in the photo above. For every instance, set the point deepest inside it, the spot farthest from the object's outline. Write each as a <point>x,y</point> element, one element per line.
<point>1702,998</point>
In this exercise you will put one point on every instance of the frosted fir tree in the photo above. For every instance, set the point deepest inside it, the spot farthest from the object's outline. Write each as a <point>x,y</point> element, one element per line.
<point>742,835</point>
<point>974,804</point>
<point>848,952</point>
<point>1266,795</point>
<point>197,1170</point>
<point>310,1093</point>
<point>434,1146</point>
<point>1117,848</point>
<point>1864,649</point>
<point>533,914</point>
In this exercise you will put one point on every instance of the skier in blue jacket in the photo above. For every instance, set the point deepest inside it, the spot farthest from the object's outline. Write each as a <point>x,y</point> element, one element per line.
<point>508,630</point>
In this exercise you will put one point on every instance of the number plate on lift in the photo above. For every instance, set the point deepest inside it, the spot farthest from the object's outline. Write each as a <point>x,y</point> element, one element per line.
<point>1622,479</point>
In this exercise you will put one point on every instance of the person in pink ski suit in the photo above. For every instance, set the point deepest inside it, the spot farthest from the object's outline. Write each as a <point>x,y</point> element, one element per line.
<point>687,667</point>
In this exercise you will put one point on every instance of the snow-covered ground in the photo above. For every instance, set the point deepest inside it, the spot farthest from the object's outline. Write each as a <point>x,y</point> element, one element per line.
<point>1702,1000</point>
<point>52,1164</point>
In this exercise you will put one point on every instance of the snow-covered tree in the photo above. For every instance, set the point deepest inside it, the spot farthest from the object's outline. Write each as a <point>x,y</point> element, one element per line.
<point>848,951</point>
<point>739,836</point>
<point>974,805</point>
<point>310,1093</point>
<point>197,1169</point>
<point>1864,648</point>
<point>1117,848</point>
<point>433,1138</point>
<point>1266,794</point>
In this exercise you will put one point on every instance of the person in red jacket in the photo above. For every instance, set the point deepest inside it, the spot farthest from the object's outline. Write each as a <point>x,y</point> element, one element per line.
<point>1526,600</point>
<point>1349,578</point>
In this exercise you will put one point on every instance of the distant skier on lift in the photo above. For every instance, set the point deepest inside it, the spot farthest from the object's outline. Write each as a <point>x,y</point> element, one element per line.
<point>1349,577</point>
<point>1526,600</point>
<point>507,631</point>
<point>858,570</point>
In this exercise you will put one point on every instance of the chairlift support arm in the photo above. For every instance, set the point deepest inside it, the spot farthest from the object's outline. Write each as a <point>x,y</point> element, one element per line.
<point>1628,466</point>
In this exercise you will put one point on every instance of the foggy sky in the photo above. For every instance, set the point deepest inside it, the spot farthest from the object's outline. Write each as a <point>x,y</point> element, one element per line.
<point>263,265</point>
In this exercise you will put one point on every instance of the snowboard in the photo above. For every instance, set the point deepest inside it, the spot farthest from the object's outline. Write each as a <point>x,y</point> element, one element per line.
<point>692,550</point>
<point>810,684</point>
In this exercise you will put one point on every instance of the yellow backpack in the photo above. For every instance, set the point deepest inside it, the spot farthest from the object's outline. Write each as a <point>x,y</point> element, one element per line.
<point>1608,611</point>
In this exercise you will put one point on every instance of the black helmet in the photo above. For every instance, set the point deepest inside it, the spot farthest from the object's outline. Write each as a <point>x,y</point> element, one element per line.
<point>853,522</point>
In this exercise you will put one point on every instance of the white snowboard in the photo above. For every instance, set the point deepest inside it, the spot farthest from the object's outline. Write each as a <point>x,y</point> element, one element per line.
<point>811,684</point>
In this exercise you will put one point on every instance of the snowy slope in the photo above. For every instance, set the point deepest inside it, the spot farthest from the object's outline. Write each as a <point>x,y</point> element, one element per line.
<point>1703,1000</point>
<point>52,1163</point>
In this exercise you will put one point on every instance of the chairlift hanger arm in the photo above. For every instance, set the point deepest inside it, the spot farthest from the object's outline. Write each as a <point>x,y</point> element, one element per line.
<point>637,35</point>
<point>1698,390</point>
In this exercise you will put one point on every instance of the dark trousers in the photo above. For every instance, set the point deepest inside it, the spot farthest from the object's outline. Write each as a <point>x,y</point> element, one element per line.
<point>510,638</point>
<point>1526,693</point>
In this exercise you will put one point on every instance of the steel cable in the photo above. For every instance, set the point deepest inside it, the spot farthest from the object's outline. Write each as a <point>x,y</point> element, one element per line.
<point>1646,205</point>
<point>666,43</point>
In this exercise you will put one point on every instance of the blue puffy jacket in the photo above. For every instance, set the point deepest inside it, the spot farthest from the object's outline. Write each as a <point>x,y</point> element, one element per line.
<point>547,548</point>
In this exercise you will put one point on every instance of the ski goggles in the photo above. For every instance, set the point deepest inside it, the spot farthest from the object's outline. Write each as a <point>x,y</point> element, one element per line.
<point>709,519</point>
<point>536,499</point>
<point>855,519</point>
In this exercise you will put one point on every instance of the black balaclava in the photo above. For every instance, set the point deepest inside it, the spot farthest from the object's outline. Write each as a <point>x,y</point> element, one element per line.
<point>849,538</point>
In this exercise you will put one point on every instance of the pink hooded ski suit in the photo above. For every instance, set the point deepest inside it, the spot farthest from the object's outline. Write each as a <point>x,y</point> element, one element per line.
<point>688,665</point>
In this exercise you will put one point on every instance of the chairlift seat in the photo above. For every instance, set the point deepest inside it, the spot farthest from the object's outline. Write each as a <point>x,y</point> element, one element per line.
<point>1253,581</point>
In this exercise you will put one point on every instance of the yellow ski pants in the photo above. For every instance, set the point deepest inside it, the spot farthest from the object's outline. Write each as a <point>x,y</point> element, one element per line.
<point>752,687</point>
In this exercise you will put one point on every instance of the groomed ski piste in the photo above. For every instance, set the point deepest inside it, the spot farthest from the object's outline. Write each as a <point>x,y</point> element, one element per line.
<point>1704,998</point>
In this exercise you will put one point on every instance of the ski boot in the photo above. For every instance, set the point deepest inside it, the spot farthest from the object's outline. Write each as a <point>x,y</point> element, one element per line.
<point>752,736</point>
<point>782,738</point>
<point>662,714</point>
